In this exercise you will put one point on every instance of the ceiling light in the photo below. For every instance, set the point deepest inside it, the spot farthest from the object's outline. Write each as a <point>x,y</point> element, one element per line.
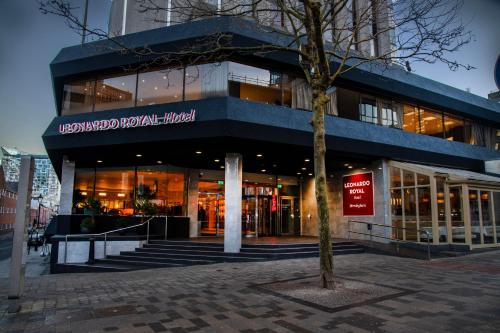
<point>216,161</point>
<point>310,174</point>
<point>349,167</point>
<point>303,168</point>
<point>159,162</point>
<point>263,170</point>
<point>307,160</point>
<point>347,164</point>
<point>138,155</point>
<point>99,161</point>
<point>298,173</point>
<point>259,155</point>
<point>222,167</point>
<point>84,193</point>
<point>198,152</point>
<point>121,195</point>
<point>102,194</point>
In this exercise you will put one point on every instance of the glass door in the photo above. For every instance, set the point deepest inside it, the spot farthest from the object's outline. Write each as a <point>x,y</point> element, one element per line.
<point>211,213</point>
<point>286,217</point>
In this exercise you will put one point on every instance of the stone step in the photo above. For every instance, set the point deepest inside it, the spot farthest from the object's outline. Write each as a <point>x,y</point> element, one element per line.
<point>145,258</point>
<point>203,256</point>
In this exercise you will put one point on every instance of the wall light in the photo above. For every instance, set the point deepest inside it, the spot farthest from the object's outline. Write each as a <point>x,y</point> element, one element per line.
<point>102,194</point>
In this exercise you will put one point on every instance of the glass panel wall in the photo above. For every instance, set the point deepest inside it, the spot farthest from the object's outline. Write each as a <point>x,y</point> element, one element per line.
<point>454,128</point>
<point>431,123</point>
<point>127,191</point>
<point>440,198</point>
<point>159,87</point>
<point>78,97</point>
<point>114,187</point>
<point>474,216</point>
<point>457,218</point>
<point>410,119</point>
<point>203,81</point>
<point>115,92</point>
<point>486,218</point>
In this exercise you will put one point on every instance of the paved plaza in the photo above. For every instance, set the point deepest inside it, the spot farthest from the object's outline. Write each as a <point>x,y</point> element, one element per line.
<point>445,295</point>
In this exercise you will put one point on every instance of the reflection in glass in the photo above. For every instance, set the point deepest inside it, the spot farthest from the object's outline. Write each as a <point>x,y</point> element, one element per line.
<point>395,177</point>
<point>424,212</point>
<point>410,211</point>
<point>116,92</point>
<point>114,187</point>
<point>211,208</point>
<point>83,188</point>
<point>422,179</point>
<point>389,116</point>
<point>443,232</point>
<point>474,216</point>
<point>487,230</point>
<point>457,222</point>
<point>160,87</point>
<point>397,214</point>
<point>78,97</point>
<point>408,178</point>
<point>203,81</point>
<point>368,110</point>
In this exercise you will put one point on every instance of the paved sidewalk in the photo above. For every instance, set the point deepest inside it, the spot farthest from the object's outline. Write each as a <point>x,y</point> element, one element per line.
<point>446,295</point>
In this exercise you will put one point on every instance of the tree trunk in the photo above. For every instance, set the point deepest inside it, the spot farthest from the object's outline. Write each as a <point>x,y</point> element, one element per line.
<point>325,242</point>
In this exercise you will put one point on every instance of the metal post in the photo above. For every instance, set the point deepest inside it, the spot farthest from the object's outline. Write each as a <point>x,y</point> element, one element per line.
<point>147,233</point>
<point>428,247</point>
<point>370,227</point>
<point>397,240</point>
<point>105,245</point>
<point>91,260</point>
<point>65,248</point>
<point>349,229</point>
<point>166,226</point>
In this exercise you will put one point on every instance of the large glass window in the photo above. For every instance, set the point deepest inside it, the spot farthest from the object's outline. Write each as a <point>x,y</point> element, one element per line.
<point>255,84</point>
<point>115,92</point>
<point>160,87</point>
<point>474,217</point>
<point>83,188</point>
<point>368,110</point>
<point>431,123</point>
<point>78,97</point>
<point>114,187</point>
<point>388,114</point>
<point>203,81</point>
<point>443,232</point>
<point>486,217</point>
<point>454,128</point>
<point>457,221</point>
<point>410,119</point>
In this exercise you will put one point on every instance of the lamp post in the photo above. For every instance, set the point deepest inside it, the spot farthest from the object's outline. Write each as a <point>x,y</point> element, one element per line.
<point>39,198</point>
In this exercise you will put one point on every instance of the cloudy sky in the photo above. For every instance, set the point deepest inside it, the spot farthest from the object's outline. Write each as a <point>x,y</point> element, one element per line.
<point>30,40</point>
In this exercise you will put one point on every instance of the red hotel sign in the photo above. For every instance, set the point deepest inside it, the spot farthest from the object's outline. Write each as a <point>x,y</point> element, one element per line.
<point>128,122</point>
<point>358,194</point>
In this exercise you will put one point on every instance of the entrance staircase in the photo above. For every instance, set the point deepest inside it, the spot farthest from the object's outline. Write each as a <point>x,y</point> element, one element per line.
<point>170,253</point>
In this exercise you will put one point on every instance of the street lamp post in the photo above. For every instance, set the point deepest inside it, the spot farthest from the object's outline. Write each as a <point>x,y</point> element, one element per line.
<point>39,198</point>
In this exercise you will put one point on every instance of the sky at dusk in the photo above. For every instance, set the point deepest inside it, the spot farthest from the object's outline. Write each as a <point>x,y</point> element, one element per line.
<point>30,40</point>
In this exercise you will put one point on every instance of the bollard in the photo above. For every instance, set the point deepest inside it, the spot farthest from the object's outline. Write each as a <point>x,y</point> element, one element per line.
<point>91,251</point>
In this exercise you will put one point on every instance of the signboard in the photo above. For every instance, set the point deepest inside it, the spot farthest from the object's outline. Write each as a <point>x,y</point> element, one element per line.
<point>274,204</point>
<point>128,122</point>
<point>357,190</point>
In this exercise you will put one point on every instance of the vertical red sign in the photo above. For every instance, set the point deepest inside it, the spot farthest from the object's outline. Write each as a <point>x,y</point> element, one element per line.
<point>358,194</point>
<point>274,204</point>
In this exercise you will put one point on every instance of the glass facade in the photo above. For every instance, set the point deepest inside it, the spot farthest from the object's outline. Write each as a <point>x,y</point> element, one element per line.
<point>115,92</point>
<point>159,87</point>
<point>127,191</point>
<point>78,97</point>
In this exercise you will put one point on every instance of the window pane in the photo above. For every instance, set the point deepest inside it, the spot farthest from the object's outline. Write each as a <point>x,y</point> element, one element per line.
<point>204,81</point>
<point>443,232</point>
<point>457,222</point>
<point>408,178</point>
<point>78,97</point>
<point>455,128</point>
<point>474,217</point>
<point>496,202</point>
<point>410,209</point>
<point>254,84</point>
<point>422,179</point>
<point>159,191</point>
<point>388,114</point>
<point>431,123</point>
<point>115,189</point>
<point>488,236</point>
<point>410,119</point>
<point>395,177</point>
<point>83,188</point>
<point>160,87</point>
<point>368,110</point>
<point>115,93</point>
<point>424,212</point>
<point>397,214</point>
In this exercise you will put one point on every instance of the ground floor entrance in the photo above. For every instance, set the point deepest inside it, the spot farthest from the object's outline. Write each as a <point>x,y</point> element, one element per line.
<point>265,210</point>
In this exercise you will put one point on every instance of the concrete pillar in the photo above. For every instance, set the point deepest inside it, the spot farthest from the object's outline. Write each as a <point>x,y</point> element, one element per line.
<point>67,183</point>
<point>23,208</point>
<point>232,219</point>
<point>192,204</point>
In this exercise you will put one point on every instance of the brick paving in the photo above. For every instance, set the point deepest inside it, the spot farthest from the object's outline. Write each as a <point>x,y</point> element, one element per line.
<point>446,295</point>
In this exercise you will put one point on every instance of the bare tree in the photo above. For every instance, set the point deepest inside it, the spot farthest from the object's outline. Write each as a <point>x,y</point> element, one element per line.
<point>327,37</point>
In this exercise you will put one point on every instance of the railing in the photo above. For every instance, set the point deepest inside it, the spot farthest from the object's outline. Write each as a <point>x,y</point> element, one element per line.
<point>370,225</point>
<point>105,234</point>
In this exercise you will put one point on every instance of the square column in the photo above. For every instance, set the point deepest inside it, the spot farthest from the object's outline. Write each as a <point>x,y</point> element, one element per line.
<point>232,218</point>
<point>67,184</point>
<point>192,206</point>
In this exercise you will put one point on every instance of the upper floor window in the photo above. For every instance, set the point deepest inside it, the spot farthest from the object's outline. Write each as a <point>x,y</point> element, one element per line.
<point>158,87</point>
<point>368,110</point>
<point>115,92</point>
<point>78,97</point>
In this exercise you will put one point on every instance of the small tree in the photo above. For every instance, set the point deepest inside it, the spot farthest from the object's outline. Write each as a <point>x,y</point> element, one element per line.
<point>144,204</point>
<point>327,37</point>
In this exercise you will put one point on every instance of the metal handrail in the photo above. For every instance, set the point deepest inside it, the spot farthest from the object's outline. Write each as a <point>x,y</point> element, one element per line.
<point>105,234</point>
<point>420,231</point>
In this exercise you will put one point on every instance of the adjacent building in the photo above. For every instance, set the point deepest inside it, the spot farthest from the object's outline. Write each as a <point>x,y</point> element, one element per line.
<point>229,144</point>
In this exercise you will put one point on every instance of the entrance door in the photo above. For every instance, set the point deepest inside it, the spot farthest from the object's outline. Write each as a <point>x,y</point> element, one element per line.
<point>286,218</point>
<point>211,213</point>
